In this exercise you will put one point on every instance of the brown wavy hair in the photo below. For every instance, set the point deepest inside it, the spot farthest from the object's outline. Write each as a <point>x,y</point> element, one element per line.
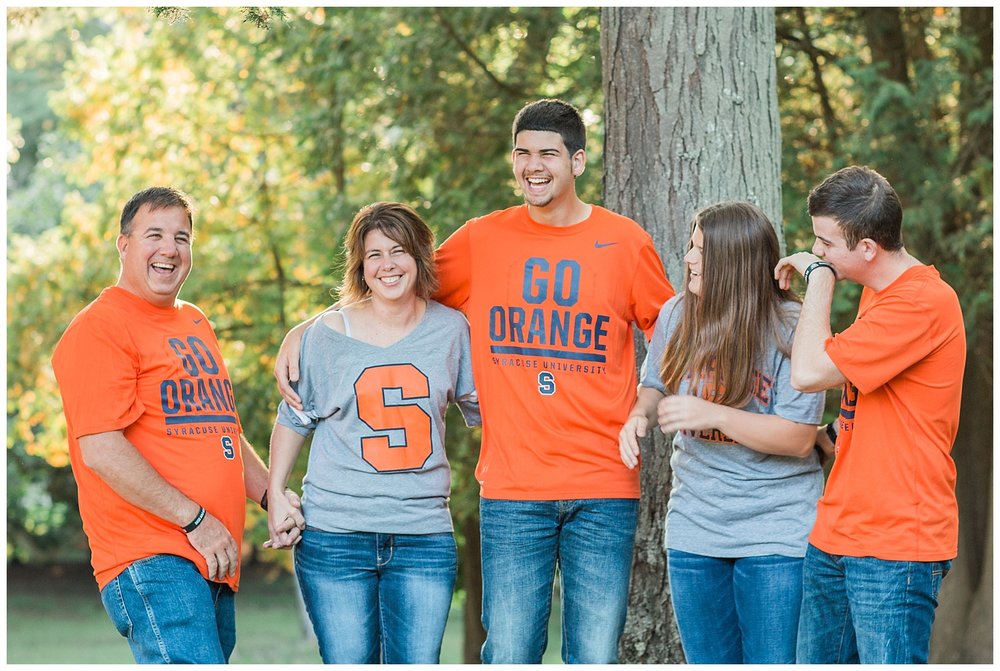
<point>400,223</point>
<point>724,333</point>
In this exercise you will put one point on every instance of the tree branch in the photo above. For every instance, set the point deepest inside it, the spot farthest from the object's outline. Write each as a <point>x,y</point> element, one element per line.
<point>467,50</point>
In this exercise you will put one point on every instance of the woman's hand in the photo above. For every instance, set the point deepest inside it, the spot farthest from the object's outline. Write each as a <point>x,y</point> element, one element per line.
<point>684,411</point>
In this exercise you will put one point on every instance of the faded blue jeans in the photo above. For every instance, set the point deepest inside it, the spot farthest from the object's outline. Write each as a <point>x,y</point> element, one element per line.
<point>867,610</point>
<point>376,597</point>
<point>170,614</point>
<point>522,542</point>
<point>736,610</point>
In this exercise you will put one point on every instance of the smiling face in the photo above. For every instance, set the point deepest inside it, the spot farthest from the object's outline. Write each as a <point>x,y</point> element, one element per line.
<point>156,254</point>
<point>389,270</point>
<point>694,260</point>
<point>544,169</point>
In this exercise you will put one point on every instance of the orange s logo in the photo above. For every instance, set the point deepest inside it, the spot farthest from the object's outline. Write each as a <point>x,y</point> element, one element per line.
<point>409,418</point>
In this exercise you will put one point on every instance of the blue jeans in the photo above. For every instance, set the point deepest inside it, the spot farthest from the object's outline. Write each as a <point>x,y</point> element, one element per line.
<point>522,542</point>
<point>736,610</point>
<point>867,610</point>
<point>170,614</point>
<point>376,597</point>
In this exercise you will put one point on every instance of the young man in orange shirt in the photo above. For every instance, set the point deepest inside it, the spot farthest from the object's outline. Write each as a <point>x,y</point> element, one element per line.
<point>551,289</point>
<point>162,467</point>
<point>887,525</point>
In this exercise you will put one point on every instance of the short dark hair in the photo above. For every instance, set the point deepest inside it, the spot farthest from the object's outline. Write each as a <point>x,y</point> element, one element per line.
<point>158,198</point>
<point>398,222</point>
<point>552,115</point>
<point>863,204</point>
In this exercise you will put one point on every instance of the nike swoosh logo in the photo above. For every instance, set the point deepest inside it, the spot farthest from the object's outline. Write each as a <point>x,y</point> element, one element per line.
<point>197,321</point>
<point>601,245</point>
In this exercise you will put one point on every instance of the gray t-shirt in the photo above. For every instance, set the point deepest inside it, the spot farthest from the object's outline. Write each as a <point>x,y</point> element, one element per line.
<point>377,461</point>
<point>727,500</point>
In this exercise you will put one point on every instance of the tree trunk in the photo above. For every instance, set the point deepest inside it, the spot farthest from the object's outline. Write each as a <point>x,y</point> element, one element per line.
<point>691,118</point>
<point>472,582</point>
<point>963,625</point>
<point>884,35</point>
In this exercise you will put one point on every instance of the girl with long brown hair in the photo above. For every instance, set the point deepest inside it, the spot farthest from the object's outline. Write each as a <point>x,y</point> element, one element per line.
<point>745,475</point>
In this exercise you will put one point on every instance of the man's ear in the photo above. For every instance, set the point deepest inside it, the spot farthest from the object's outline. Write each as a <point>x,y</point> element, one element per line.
<point>122,244</point>
<point>579,162</point>
<point>869,248</point>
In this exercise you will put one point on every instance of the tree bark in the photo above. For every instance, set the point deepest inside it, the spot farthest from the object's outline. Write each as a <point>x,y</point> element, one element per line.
<point>472,582</point>
<point>691,118</point>
<point>963,624</point>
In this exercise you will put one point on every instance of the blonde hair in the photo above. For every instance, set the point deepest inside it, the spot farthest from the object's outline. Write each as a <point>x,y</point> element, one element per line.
<point>401,224</point>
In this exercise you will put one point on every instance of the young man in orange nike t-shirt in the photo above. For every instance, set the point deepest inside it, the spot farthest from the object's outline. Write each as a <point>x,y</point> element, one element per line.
<point>887,525</point>
<point>161,464</point>
<point>552,289</point>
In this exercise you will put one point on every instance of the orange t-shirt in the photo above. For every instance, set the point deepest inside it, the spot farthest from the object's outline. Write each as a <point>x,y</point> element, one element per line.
<point>157,375</point>
<point>551,312</point>
<point>891,493</point>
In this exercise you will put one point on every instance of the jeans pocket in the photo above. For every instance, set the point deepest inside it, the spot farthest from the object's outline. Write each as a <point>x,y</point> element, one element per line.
<point>938,573</point>
<point>114,604</point>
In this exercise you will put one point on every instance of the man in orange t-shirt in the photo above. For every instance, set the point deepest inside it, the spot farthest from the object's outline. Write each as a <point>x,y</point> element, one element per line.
<point>887,525</point>
<point>156,446</point>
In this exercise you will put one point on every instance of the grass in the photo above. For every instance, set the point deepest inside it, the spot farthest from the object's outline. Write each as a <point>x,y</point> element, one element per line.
<point>54,616</point>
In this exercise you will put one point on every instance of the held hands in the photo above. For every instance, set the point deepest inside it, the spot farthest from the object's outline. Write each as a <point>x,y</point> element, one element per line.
<point>788,266</point>
<point>285,522</point>
<point>214,542</point>
<point>628,439</point>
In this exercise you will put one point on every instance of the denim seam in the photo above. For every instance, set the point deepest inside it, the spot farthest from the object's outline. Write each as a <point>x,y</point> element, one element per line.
<point>847,621</point>
<point>121,601</point>
<point>149,614</point>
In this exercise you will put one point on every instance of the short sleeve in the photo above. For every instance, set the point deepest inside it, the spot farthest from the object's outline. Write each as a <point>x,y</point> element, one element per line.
<point>886,339</point>
<point>304,421</point>
<point>97,368</point>
<point>791,404</point>
<point>650,288</point>
<point>454,269</point>
<point>465,390</point>
<point>649,375</point>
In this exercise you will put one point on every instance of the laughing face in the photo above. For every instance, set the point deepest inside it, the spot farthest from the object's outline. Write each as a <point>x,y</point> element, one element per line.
<point>390,271</point>
<point>156,254</point>
<point>694,259</point>
<point>544,169</point>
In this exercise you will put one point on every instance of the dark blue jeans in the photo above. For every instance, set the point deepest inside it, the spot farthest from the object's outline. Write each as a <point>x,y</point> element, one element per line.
<point>736,610</point>
<point>170,614</point>
<point>867,610</point>
<point>522,542</point>
<point>377,597</point>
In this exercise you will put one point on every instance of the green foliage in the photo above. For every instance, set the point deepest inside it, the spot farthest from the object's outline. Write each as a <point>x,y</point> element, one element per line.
<point>281,124</point>
<point>280,132</point>
<point>915,132</point>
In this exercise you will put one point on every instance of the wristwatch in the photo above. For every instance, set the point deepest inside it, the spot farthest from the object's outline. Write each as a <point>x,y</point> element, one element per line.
<point>831,433</point>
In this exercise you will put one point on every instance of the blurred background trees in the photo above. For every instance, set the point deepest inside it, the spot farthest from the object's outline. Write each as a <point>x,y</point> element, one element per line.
<point>281,124</point>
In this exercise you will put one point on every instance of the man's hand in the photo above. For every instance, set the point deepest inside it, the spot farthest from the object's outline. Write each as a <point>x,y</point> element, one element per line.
<point>826,446</point>
<point>628,439</point>
<point>213,541</point>
<point>286,366</point>
<point>788,266</point>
